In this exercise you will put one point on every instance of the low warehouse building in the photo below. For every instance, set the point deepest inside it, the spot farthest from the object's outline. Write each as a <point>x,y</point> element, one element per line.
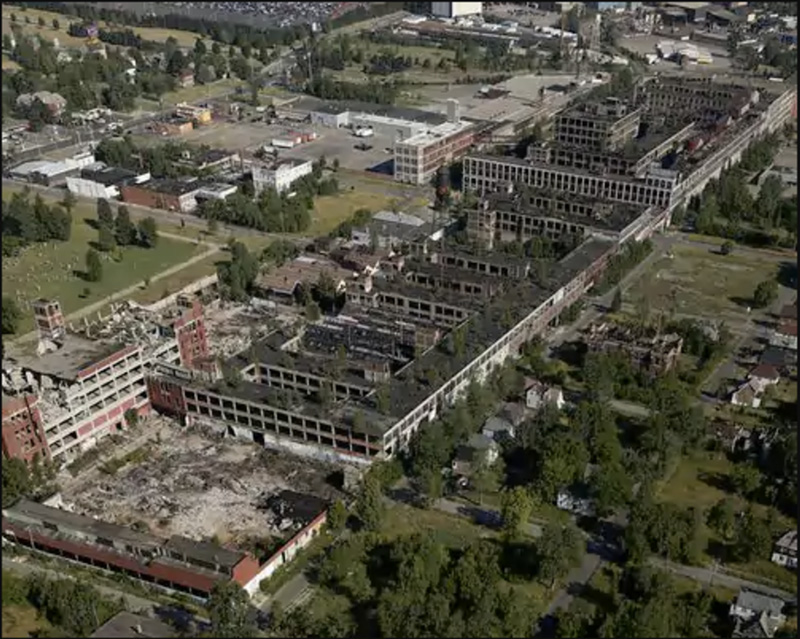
<point>171,195</point>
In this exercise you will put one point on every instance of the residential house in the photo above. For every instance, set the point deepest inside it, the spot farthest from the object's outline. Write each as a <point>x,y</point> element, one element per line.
<point>733,436</point>
<point>785,334</point>
<point>479,450</point>
<point>784,553</point>
<point>514,412</point>
<point>537,395</point>
<point>748,394</point>
<point>756,614</point>
<point>497,428</point>
<point>781,358</point>
<point>55,102</point>
<point>764,375</point>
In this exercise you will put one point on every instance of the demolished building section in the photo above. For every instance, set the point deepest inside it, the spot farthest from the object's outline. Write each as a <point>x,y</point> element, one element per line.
<point>87,380</point>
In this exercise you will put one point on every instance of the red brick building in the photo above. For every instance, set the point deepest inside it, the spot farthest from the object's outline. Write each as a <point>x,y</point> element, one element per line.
<point>23,435</point>
<point>176,563</point>
<point>190,331</point>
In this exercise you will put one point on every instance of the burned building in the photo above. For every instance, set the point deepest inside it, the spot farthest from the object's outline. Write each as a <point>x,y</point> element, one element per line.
<point>655,354</point>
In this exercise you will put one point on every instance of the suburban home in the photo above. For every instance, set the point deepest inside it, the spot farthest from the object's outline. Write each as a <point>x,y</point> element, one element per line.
<point>748,394</point>
<point>765,375</point>
<point>497,428</point>
<point>537,395</point>
<point>784,553</point>
<point>477,451</point>
<point>783,359</point>
<point>756,614</point>
<point>785,334</point>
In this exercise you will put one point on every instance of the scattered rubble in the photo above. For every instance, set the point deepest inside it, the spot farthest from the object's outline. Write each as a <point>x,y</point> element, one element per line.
<point>201,486</point>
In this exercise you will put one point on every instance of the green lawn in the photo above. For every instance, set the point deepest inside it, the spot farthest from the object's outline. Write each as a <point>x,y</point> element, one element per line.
<point>52,270</point>
<point>697,482</point>
<point>401,520</point>
<point>331,210</point>
<point>24,621</point>
<point>703,282</point>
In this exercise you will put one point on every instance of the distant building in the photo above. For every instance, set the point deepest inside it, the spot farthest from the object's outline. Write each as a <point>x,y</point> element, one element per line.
<point>389,229</point>
<point>539,395</point>
<point>281,174</point>
<point>186,79</point>
<point>656,355</point>
<point>785,335</point>
<point>55,102</point>
<point>418,158</point>
<point>101,181</point>
<point>171,195</point>
<point>456,9</point>
<point>784,553</point>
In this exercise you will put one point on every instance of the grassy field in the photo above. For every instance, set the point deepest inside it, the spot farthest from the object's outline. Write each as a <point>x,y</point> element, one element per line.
<point>9,64</point>
<point>152,34</point>
<point>698,481</point>
<point>331,210</point>
<point>200,92</point>
<point>703,282</point>
<point>401,520</point>
<point>24,621</point>
<point>176,281</point>
<point>51,270</point>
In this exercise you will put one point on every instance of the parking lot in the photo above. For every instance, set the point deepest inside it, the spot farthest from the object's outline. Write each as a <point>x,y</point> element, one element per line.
<point>644,44</point>
<point>248,137</point>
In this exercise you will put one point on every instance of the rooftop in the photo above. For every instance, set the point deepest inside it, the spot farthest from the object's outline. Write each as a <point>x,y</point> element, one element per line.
<point>173,186</point>
<point>788,541</point>
<point>439,132</point>
<point>759,602</point>
<point>297,506</point>
<point>108,175</point>
<point>399,113</point>
<point>302,269</point>
<point>125,624</point>
<point>75,354</point>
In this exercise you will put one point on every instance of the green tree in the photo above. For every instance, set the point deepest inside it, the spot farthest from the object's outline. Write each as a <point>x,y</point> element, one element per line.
<point>105,239</point>
<point>616,302</point>
<point>41,21</point>
<point>727,247</point>
<point>369,507</point>
<point>11,315</point>
<point>745,479</point>
<point>432,485</point>
<point>131,417</point>
<point>337,516</point>
<point>752,538</point>
<point>230,612</point>
<point>722,518</point>
<point>148,232</point>
<point>200,47</point>
<point>124,230</point>
<point>559,549</point>
<point>16,481</point>
<point>94,267</point>
<point>105,216</point>
<point>765,294</point>
<point>516,507</point>
<point>486,478</point>
<point>56,24</point>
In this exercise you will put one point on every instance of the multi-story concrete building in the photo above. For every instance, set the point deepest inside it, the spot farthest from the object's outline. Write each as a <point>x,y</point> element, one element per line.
<point>527,212</point>
<point>372,370</point>
<point>702,100</point>
<point>23,435</point>
<point>658,170</point>
<point>86,383</point>
<point>416,159</point>
<point>603,126</point>
<point>281,174</point>
<point>456,9</point>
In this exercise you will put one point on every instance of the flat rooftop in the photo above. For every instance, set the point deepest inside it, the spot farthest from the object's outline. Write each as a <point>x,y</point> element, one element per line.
<point>76,353</point>
<point>437,133</point>
<point>108,176</point>
<point>406,114</point>
<point>173,186</point>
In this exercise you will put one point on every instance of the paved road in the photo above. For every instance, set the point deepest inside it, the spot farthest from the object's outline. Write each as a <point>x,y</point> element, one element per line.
<point>719,577</point>
<point>481,515</point>
<point>577,579</point>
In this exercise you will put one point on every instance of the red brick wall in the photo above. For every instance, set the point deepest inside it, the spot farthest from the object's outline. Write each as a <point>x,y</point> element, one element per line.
<point>166,396</point>
<point>22,424</point>
<point>245,570</point>
<point>190,330</point>
<point>145,197</point>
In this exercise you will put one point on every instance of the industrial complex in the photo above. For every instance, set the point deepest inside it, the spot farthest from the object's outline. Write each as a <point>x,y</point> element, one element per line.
<point>340,354</point>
